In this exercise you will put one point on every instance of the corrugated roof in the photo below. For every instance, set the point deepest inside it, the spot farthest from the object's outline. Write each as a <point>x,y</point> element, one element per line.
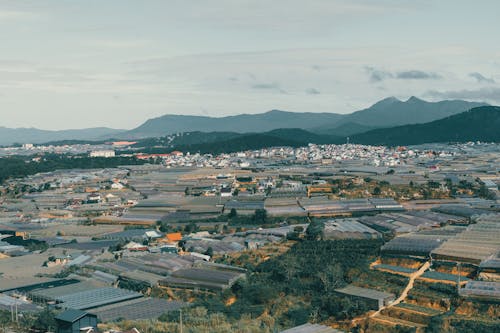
<point>364,292</point>
<point>97,297</point>
<point>311,328</point>
<point>71,315</point>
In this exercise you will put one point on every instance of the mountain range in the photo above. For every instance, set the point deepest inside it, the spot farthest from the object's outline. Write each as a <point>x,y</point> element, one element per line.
<point>388,112</point>
<point>477,124</point>
<point>10,136</point>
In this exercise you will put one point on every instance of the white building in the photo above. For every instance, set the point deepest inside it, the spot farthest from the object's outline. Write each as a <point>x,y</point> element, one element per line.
<point>102,153</point>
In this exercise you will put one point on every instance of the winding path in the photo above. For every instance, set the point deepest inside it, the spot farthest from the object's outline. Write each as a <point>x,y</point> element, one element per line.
<point>407,289</point>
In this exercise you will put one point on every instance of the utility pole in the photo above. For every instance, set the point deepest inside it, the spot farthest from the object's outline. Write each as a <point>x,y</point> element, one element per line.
<point>180,319</point>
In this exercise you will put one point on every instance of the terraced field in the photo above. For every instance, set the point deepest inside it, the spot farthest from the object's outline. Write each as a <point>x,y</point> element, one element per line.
<point>444,277</point>
<point>394,269</point>
<point>419,309</point>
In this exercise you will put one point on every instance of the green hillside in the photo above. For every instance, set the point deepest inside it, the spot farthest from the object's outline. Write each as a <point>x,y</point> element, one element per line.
<point>478,124</point>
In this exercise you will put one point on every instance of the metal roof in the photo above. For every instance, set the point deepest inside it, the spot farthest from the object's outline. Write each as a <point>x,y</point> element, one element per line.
<point>311,328</point>
<point>71,315</point>
<point>97,297</point>
<point>138,309</point>
<point>364,292</point>
<point>64,290</point>
<point>347,225</point>
<point>7,302</point>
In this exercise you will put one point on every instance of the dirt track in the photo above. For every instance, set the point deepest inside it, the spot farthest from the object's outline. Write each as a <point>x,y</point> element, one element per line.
<point>407,289</point>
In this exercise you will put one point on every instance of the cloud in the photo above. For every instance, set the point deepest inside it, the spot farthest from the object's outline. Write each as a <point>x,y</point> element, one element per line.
<point>480,78</point>
<point>273,86</point>
<point>312,91</point>
<point>266,86</point>
<point>417,75</point>
<point>489,94</point>
<point>378,75</point>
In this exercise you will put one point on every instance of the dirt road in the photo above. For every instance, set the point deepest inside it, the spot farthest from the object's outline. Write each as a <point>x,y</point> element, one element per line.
<point>407,289</point>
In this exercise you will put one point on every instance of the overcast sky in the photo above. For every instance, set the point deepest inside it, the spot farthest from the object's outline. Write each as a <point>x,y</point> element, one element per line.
<point>116,63</point>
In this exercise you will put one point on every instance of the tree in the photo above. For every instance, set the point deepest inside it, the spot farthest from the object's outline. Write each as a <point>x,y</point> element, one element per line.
<point>260,216</point>
<point>45,321</point>
<point>268,190</point>
<point>233,213</point>
<point>433,184</point>
<point>484,192</point>
<point>298,229</point>
<point>315,230</point>
<point>209,251</point>
<point>377,191</point>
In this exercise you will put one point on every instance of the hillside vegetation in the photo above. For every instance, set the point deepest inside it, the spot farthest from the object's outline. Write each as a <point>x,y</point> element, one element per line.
<point>478,124</point>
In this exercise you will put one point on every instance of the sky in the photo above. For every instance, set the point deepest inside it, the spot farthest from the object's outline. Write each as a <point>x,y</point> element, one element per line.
<point>116,63</point>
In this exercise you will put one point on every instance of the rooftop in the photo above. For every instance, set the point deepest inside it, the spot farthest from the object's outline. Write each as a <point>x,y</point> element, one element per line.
<point>364,292</point>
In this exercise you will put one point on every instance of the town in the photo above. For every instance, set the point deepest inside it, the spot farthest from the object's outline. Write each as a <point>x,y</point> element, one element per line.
<point>195,240</point>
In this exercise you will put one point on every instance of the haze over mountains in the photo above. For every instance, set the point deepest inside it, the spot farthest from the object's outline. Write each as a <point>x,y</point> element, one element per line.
<point>477,124</point>
<point>33,135</point>
<point>385,113</point>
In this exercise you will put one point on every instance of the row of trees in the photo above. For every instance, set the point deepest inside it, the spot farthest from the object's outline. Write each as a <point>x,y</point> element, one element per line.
<point>14,167</point>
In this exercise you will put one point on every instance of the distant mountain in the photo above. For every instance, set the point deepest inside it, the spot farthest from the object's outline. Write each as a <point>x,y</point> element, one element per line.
<point>393,112</point>
<point>386,113</point>
<point>33,135</point>
<point>244,123</point>
<point>478,124</point>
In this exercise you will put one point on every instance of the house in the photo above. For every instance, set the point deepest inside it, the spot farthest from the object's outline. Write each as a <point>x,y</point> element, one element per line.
<point>102,153</point>
<point>135,247</point>
<point>94,198</point>
<point>152,234</point>
<point>117,186</point>
<point>226,192</point>
<point>76,321</point>
<point>173,237</point>
<point>374,298</point>
<point>57,261</point>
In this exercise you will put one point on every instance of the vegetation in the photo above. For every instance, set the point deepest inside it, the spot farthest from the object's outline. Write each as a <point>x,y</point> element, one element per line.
<point>30,244</point>
<point>15,167</point>
<point>478,124</point>
<point>42,321</point>
<point>308,273</point>
<point>227,142</point>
